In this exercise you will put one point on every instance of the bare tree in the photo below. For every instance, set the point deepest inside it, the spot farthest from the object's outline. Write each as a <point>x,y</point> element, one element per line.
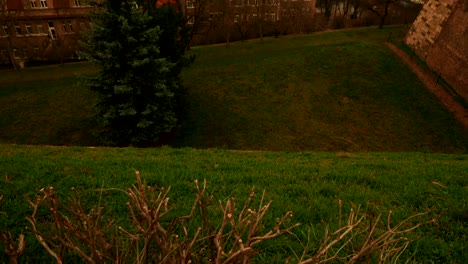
<point>195,16</point>
<point>259,17</point>
<point>380,8</point>
<point>227,19</point>
<point>356,4</point>
<point>242,21</point>
<point>325,7</point>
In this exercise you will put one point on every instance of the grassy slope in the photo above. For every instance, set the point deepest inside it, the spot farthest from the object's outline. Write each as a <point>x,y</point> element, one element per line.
<point>342,90</point>
<point>309,184</point>
<point>44,105</point>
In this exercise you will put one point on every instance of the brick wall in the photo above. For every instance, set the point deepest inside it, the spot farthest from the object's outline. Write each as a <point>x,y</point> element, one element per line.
<point>439,36</point>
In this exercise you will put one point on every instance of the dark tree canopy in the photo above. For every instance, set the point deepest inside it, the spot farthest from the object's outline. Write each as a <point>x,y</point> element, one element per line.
<point>140,56</point>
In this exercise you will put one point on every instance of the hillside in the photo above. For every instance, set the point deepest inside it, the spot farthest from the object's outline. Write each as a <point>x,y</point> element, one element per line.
<point>329,91</point>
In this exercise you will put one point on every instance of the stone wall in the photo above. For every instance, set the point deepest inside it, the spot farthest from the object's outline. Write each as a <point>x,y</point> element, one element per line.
<point>439,36</point>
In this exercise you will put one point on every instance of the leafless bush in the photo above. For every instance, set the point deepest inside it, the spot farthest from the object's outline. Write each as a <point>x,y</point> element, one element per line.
<point>237,245</point>
<point>364,237</point>
<point>73,229</point>
<point>12,248</point>
<point>69,229</point>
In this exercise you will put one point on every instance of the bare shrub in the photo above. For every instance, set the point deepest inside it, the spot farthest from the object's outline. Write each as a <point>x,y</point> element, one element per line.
<point>12,248</point>
<point>364,238</point>
<point>237,245</point>
<point>69,230</point>
<point>73,229</point>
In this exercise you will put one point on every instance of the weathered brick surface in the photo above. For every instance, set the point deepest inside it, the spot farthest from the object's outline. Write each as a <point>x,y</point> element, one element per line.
<point>439,36</point>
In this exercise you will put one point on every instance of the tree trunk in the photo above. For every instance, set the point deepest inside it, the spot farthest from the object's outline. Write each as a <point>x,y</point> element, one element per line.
<point>384,15</point>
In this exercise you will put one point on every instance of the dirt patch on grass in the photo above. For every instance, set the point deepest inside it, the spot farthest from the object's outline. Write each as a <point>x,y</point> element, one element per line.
<point>460,113</point>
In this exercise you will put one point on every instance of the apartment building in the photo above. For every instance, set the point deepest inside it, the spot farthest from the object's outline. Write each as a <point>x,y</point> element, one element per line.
<point>240,19</point>
<point>49,30</point>
<point>41,30</point>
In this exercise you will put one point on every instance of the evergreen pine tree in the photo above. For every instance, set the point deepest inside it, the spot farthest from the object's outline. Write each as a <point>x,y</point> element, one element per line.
<point>137,84</point>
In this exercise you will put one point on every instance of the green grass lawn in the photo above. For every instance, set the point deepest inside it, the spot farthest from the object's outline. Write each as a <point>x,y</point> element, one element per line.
<point>309,184</point>
<point>45,105</point>
<point>331,91</point>
<point>342,90</point>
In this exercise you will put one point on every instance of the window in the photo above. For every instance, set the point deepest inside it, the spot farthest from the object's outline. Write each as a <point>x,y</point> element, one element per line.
<point>273,17</point>
<point>29,29</point>
<point>35,51</point>
<point>18,30</point>
<point>4,31</point>
<point>77,3</point>
<point>236,19</point>
<point>33,3</point>
<point>190,4</point>
<point>25,53</point>
<point>216,16</point>
<point>67,26</point>
<point>44,3</point>
<point>16,54</point>
<point>40,29</point>
<point>4,54</point>
<point>52,32</point>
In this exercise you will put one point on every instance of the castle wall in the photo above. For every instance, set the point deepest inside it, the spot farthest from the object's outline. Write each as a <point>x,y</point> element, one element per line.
<point>439,36</point>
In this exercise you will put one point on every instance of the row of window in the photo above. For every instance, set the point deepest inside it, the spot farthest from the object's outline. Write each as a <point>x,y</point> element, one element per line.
<point>191,3</point>
<point>217,16</point>
<point>18,53</point>
<point>38,29</point>
<point>43,3</point>
<point>268,16</point>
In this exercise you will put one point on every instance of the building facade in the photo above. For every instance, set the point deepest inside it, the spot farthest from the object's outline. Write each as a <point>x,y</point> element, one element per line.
<point>41,30</point>
<point>50,30</point>
<point>221,20</point>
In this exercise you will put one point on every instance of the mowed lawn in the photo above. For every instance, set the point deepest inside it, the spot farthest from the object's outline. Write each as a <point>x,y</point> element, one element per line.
<point>309,184</point>
<point>330,91</point>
